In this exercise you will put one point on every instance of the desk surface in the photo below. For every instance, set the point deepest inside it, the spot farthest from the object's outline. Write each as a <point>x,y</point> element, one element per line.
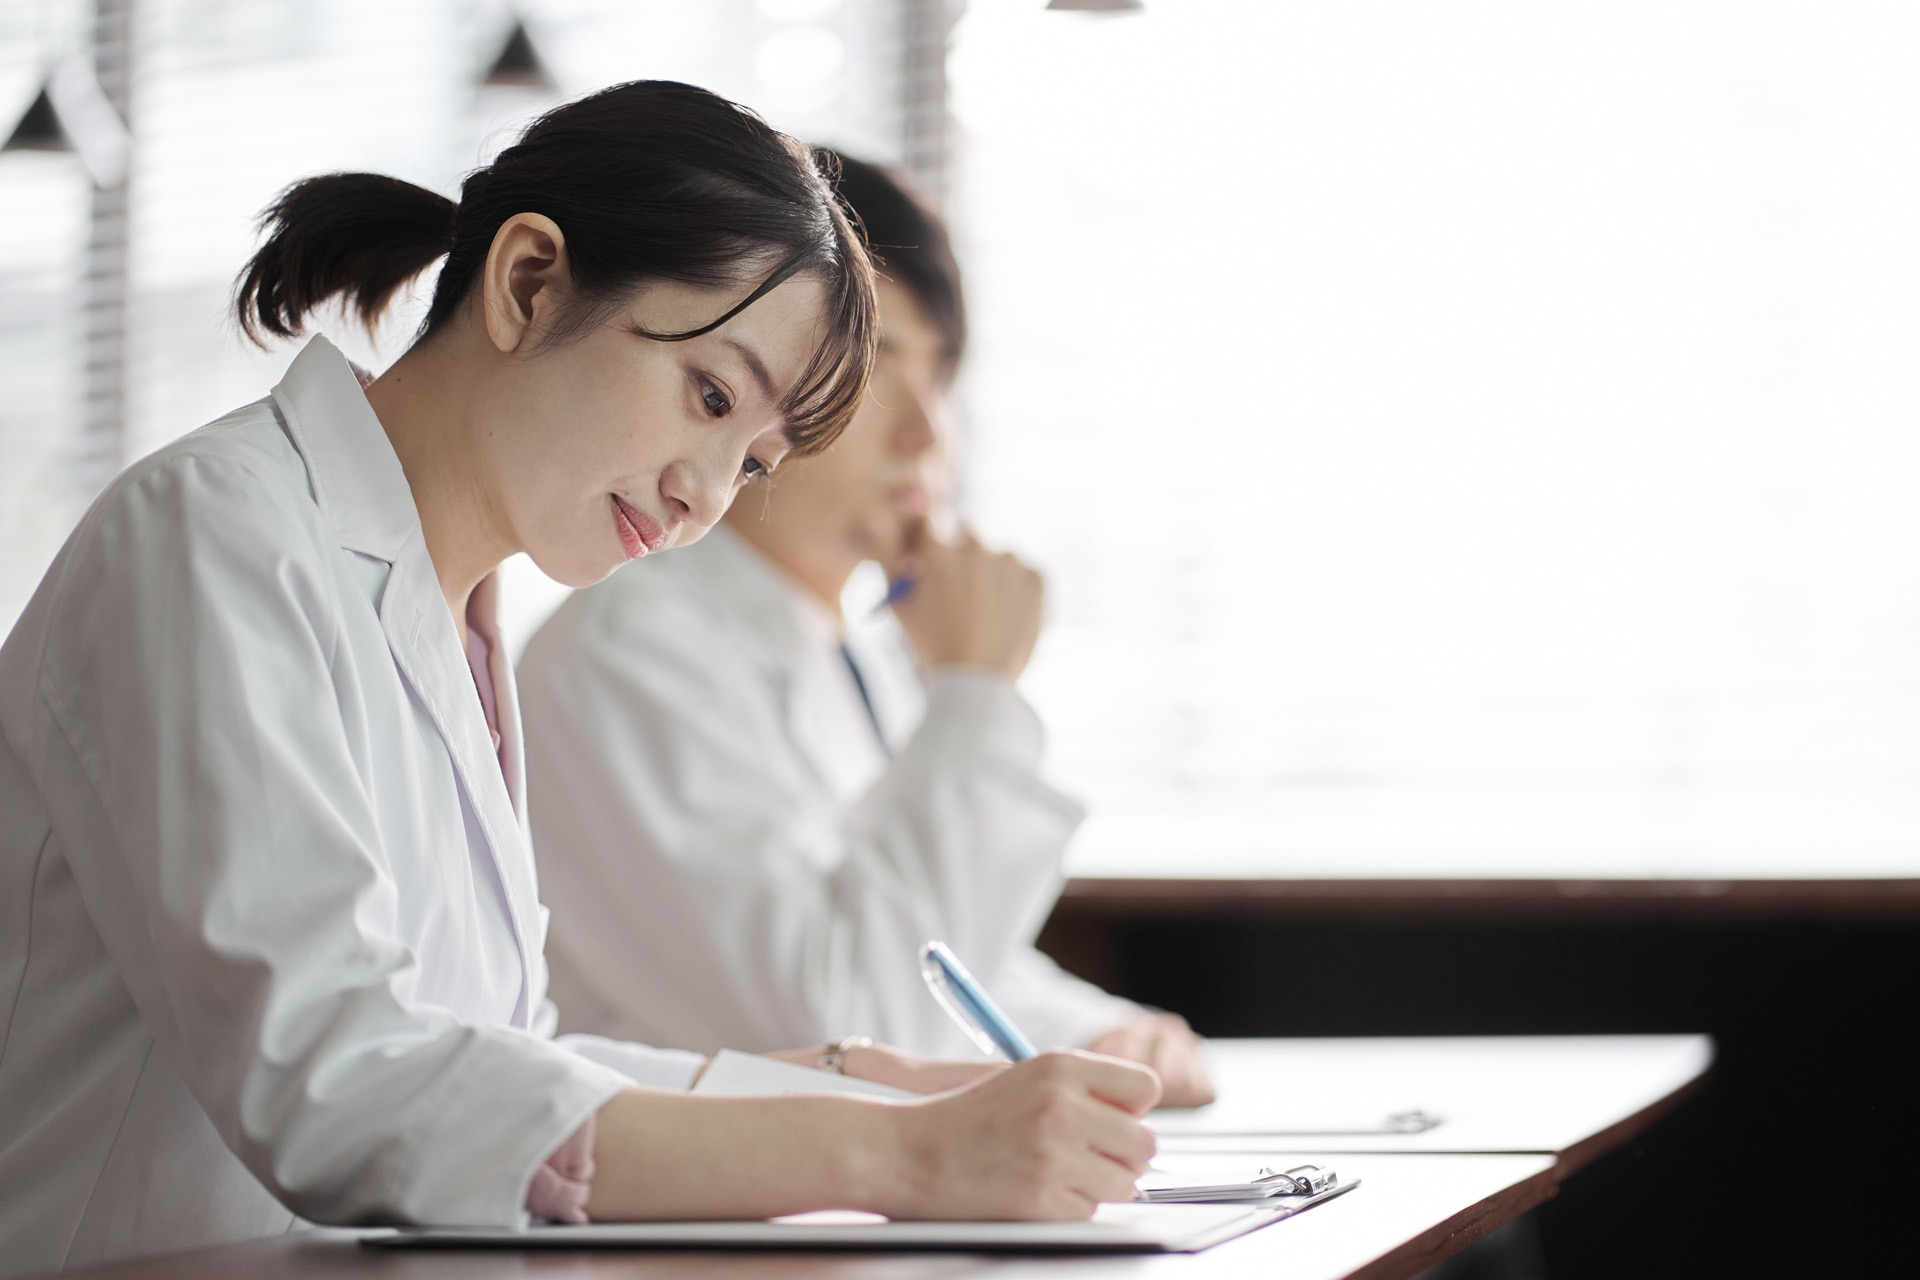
<point>1571,1096</point>
<point>1518,1112</point>
<point>1410,1212</point>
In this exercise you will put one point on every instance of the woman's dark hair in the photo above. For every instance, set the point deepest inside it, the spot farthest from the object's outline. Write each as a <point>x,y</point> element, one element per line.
<point>908,242</point>
<point>648,181</point>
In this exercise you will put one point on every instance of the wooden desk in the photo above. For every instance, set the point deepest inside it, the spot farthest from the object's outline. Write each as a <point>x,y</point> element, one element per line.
<point>1411,1212</point>
<point>1767,967</point>
<point>1519,1114</point>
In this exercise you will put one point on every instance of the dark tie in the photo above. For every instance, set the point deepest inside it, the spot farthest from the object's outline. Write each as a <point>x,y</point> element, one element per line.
<point>866,699</point>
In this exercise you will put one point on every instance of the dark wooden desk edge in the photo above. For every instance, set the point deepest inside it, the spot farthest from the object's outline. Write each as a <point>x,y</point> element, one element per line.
<point>326,1256</point>
<point>1447,1238</point>
<point>1589,1149</point>
<point>1101,898</point>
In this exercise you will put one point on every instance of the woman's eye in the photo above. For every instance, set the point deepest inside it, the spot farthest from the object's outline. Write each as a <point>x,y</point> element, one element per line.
<point>756,469</point>
<point>715,400</point>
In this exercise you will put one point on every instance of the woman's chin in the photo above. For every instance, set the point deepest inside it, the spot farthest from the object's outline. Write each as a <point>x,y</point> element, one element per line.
<point>578,572</point>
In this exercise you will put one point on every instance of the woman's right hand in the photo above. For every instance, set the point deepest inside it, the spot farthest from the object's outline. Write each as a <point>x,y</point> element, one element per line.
<point>1047,1140</point>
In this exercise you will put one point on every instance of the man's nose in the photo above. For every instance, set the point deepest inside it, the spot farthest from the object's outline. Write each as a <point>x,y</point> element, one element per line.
<point>916,429</point>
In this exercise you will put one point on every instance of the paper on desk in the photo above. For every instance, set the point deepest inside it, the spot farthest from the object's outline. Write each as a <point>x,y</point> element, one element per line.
<point>1115,1228</point>
<point>732,1074</point>
<point>1491,1094</point>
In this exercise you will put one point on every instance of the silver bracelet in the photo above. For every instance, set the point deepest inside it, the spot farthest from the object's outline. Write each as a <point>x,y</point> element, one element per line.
<point>834,1057</point>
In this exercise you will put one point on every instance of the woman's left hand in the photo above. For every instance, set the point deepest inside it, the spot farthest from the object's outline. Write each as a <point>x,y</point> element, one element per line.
<point>1166,1043</point>
<point>884,1064</point>
<point>887,1065</point>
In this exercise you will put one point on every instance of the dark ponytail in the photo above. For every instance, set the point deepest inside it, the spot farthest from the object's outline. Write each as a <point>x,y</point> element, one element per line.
<point>648,181</point>
<point>358,236</point>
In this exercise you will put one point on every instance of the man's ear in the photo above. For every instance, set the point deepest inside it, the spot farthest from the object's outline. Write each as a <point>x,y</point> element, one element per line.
<point>523,280</point>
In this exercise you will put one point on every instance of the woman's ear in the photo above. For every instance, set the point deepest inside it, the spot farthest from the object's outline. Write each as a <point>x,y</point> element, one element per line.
<point>523,280</point>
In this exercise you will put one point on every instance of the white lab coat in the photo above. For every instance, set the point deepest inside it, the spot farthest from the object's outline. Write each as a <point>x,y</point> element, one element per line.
<point>710,800</point>
<point>269,937</point>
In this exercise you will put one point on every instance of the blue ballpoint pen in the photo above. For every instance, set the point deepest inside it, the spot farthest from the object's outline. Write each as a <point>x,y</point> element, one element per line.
<point>970,1006</point>
<point>898,589</point>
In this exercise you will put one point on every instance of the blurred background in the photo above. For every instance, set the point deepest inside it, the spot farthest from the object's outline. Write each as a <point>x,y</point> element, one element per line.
<point>1467,441</point>
<point>1479,439</point>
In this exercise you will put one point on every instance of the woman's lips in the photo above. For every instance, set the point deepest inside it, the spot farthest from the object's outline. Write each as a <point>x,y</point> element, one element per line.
<point>639,532</point>
<point>909,499</point>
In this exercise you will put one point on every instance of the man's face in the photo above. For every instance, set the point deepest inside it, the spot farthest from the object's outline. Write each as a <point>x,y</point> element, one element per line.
<point>861,498</point>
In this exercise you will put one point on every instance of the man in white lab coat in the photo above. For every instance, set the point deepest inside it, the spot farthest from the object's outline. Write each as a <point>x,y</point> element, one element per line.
<point>736,781</point>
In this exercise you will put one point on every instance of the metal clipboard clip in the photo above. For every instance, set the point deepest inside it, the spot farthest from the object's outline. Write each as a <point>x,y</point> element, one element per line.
<point>1301,1180</point>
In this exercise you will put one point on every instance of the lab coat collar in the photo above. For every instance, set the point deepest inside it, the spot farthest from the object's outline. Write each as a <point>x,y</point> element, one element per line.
<point>786,617</point>
<point>794,638</point>
<point>355,473</point>
<point>780,627</point>
<point>769,605</point>
<point>363,494</point>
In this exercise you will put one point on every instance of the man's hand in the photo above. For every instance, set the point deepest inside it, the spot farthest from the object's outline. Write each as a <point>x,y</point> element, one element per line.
<point>970,607</point>
<point>1166,1043</point>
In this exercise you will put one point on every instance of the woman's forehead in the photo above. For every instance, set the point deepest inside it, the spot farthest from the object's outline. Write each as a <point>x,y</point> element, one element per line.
<point>776,337</point>
<point>670,306</point>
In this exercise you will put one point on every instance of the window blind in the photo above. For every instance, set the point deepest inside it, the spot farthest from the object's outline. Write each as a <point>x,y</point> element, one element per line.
<point>233,99</point>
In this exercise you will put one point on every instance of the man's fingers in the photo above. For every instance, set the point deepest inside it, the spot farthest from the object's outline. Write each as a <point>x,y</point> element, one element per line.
<point>1130,1041</point>
<point>1127,1085</point>
<point>914,539</point>
<point>1158,1051</point>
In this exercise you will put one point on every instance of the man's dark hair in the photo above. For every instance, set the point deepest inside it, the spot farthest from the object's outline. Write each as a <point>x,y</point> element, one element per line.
<point>908,242</point>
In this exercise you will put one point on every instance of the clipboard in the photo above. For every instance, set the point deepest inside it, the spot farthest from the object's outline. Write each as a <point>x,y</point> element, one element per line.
<point>1114,1228</point>
<point>1302,1186</point>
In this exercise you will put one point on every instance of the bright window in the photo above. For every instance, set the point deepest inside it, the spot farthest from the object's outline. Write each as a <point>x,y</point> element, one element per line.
<point>1465,439</point>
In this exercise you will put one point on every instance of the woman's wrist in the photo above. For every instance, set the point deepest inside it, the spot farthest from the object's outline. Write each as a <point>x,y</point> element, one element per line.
<point>834,1057</point>
<point>878,1063</point>
<point>885,1168</point>
<point>884,1064</point>
<point>661,1155</point>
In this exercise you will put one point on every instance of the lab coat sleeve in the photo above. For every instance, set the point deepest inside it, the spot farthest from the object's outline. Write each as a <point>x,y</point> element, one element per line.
<point>667,799</point>
<point>201,778</point>
<point>971,712</point>
<point>1055,1008</point>
<point>640,1063</point>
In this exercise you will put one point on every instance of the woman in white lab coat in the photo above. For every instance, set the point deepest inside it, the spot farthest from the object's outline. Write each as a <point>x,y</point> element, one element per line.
<point>733,779</point>
<point>270,942</point>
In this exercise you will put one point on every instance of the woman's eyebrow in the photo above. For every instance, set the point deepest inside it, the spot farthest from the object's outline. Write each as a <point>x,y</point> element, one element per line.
<point>755,366</point>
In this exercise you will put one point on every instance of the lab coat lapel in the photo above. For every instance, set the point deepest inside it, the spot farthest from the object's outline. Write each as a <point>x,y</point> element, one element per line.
<point>358,483</point>
<point>758,605</point>
<point>428,650</point>
<point>788,633</point>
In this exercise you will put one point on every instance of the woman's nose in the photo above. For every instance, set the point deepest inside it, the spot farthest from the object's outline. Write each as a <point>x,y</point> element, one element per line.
<point>694,496</point>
